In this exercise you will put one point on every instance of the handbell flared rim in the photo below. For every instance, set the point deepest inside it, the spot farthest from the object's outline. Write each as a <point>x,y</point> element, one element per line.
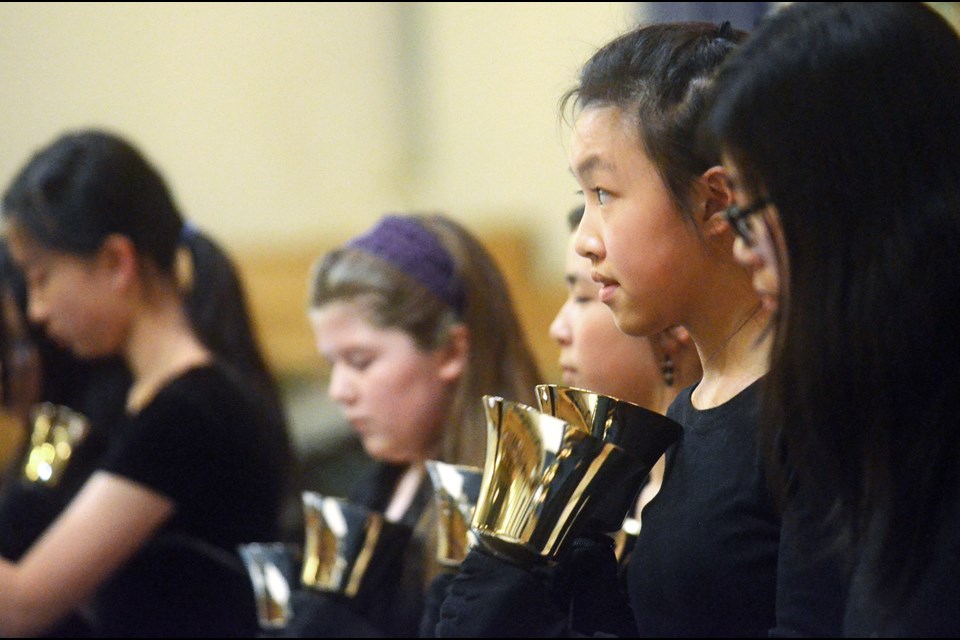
<point>354,531</point>
<point>645,434</point>
<point>541,476</point>
<point>272,567</point>
<point>456,488</point>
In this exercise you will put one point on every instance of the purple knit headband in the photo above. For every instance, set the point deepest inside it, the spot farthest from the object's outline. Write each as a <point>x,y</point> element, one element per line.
<point>408,245</point>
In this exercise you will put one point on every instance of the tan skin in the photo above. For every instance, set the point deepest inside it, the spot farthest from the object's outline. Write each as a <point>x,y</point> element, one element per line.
<point>124,307</point>
<point>396,395</point>
<point>760,257</point>
<point>656,267</point>
<point>596,355</point>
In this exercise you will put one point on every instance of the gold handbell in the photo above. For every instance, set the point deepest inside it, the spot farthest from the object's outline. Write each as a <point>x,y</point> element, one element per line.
<point>342,540</point>
<point>56,433</point>
<point>455,490</point>
<point>540,481</point>
<point>273,572</point>
<point>644,434</point>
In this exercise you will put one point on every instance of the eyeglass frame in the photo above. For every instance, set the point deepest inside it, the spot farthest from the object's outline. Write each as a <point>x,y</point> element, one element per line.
<point>737,218</point>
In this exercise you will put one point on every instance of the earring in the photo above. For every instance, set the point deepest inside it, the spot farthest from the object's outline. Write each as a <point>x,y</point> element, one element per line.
<point>667,370</point>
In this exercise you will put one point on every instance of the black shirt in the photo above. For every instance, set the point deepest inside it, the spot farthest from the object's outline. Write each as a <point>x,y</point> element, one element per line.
<point>204,443</point>
<point>705,563</point>
<point>714,556</point>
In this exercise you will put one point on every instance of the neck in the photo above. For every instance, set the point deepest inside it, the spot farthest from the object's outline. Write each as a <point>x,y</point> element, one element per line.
<point>733,356</point>
<point>405,492</point>
<point>161,345</point>
<point>668,395</point>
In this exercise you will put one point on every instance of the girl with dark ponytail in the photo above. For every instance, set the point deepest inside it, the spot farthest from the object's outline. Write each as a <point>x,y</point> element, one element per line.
<point>195,465</point>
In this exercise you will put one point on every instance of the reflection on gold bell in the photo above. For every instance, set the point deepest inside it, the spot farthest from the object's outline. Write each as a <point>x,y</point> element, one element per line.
<point>273,571</point>
<point>540,480</point>
<point>56,432</point>
<point>645,435</point>
<point>455,490</point>
<point>342,542</point>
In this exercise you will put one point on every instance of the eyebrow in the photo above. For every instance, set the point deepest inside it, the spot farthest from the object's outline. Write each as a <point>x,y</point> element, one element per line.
<point>590,164</point>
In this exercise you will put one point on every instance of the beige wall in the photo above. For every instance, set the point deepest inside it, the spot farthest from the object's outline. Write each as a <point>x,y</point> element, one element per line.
<point>284,128</point>
<point>276,120</point>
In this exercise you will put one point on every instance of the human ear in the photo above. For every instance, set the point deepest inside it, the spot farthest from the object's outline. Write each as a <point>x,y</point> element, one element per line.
<point>715,196</point>
<point>672,341</point>
<point>118,258</point>
<point>455,354</point>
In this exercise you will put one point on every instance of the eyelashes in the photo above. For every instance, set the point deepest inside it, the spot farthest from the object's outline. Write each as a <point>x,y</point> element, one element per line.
<point>602,195</point>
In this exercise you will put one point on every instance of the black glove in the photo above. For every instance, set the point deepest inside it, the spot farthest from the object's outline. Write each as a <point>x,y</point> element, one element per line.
<point>586,579</point>
<point>322,615</point>
<point>436,594</point>
<point>493,598</point>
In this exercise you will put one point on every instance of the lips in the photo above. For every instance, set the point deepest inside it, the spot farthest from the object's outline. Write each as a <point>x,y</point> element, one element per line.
<point>569,374</point>
<point>604,281</point>
<point>608,286</point>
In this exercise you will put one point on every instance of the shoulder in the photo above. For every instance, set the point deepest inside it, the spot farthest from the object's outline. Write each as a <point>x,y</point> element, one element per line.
<point>200,390</point>
<point>739,411</point>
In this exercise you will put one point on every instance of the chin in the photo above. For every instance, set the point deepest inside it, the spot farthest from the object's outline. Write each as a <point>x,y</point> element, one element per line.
<point>384,452</point>
<point>631,327</point>
<point>85,351</point>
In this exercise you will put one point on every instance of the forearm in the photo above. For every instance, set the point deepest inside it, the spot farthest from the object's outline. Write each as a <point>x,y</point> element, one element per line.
<point>109,521</point>
<point>26,610</point>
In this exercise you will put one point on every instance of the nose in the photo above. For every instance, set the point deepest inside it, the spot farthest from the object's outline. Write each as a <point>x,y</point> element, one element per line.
<point>342,388</point>
<point>587,242</point>
<point>560,328</point>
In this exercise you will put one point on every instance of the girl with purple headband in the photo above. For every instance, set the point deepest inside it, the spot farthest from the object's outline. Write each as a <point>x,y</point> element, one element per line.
<point>417,324</point>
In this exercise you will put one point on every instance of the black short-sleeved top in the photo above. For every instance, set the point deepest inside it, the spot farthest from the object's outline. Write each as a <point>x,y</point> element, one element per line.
<point>716,555</point>
<point>705,563</point>
<point>203,442</point>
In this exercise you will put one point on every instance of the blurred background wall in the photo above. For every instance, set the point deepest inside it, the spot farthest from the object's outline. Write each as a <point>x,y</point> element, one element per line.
<point>285,128</point>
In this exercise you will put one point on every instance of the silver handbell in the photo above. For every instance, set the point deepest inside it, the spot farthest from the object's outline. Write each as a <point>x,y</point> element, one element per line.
<point>344,542</point>
<point>273,569</point>
<point>455,490</point>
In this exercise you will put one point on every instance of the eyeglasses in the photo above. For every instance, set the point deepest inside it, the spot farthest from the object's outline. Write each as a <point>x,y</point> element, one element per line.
<point>739,219</point>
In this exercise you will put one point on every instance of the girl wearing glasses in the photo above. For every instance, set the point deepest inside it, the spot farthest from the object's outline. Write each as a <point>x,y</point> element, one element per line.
<point>761,241</point>
<point>712,558</point>
<point>856,249</point>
